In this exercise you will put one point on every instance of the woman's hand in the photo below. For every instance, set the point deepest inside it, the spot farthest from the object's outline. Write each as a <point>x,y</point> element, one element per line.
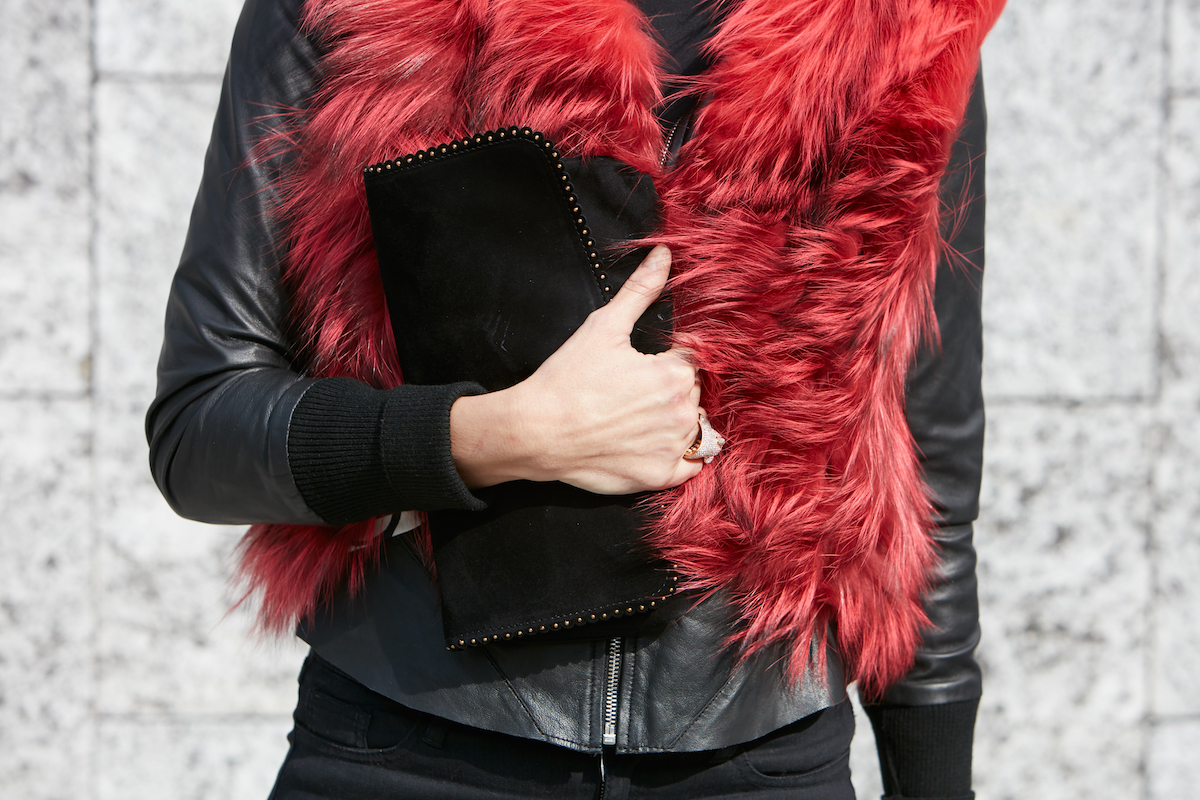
<point>597,414</point>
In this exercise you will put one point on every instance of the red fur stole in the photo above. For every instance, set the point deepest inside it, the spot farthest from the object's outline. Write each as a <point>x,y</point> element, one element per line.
<point>803,219</point>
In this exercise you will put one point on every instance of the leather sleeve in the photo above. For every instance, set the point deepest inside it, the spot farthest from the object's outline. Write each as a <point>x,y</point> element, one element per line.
<point>946,416</point>
<point>924,725</point>
<point>226,442</point>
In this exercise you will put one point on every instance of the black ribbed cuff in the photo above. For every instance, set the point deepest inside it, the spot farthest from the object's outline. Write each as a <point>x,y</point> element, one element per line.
<point>357,452</point>
<point>925,751</point>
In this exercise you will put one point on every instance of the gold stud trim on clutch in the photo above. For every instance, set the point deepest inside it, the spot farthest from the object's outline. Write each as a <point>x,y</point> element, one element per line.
<point>457,146</point>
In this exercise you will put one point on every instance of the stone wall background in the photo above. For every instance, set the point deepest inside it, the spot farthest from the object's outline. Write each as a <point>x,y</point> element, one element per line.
<point>122,677</point>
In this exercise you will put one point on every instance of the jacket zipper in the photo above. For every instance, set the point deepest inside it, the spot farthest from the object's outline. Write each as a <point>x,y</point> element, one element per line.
<point>612,687</point>
<point>612,683</point>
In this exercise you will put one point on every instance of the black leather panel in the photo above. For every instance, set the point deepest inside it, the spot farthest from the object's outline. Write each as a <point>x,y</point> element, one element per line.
<point>682,698</point>
<point>680,690</point>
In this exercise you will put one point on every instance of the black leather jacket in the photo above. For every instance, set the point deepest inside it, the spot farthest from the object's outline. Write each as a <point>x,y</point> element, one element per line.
<point>219,440</point>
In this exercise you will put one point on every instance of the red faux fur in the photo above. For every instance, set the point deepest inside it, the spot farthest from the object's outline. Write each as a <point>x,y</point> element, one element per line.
<point>803,220</point>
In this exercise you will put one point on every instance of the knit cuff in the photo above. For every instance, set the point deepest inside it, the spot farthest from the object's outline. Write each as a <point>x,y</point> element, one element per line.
<point>925,751</point>
<point>357,452</point>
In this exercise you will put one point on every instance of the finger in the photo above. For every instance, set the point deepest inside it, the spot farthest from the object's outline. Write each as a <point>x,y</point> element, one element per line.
<point>686,470</point>
<point>641,289</point>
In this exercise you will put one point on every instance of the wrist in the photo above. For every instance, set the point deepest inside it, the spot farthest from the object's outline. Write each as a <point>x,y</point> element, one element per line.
<point>493,439</point>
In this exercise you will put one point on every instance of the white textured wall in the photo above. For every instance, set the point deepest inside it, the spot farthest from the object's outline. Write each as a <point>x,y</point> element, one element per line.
<point>120,678</point>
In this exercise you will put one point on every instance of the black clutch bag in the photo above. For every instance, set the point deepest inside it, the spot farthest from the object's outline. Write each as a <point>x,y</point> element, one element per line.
<point>493,250</point>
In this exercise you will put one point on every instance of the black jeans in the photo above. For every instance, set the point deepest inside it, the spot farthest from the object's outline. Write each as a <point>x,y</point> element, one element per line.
<point>352,744</point>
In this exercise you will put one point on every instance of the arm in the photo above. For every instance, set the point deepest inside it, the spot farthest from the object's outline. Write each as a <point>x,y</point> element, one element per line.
<point>924,725</point>
<point>238,435</point>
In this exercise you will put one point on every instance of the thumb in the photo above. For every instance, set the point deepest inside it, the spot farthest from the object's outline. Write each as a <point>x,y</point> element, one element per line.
<point>641,289</point>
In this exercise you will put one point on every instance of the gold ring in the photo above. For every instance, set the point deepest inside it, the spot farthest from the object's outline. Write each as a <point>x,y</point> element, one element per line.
<point>708,443</point>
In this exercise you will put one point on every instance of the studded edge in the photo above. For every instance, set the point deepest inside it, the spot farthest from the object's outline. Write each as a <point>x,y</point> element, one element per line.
<point>478,140</point>
<point>567,622</point>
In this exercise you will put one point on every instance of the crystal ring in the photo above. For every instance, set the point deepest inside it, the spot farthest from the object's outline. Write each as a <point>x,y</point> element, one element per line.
<point>707,444</point>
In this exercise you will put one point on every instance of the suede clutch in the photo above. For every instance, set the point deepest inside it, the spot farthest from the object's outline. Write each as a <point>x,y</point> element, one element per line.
<point>493,250</point>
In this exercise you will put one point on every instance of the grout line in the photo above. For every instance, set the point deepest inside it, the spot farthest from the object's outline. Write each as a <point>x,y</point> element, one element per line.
<point>192,719</point>
<point>93,764</point>
<point>50,396</point>
<point>1159,203</point>
<point>1158,295</point>
<point>1052,401</point>
<point>1156,720</point>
